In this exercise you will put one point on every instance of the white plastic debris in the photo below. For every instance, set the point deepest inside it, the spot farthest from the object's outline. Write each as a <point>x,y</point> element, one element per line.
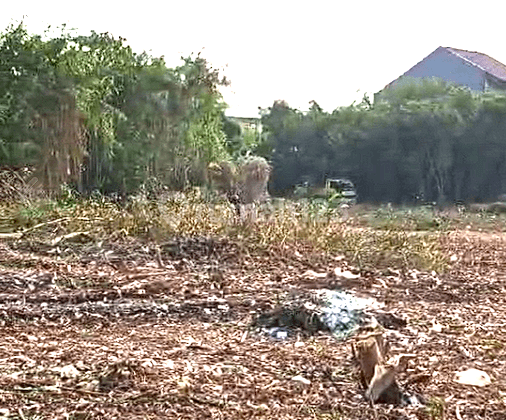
<point>436,326</point>
<point>68,371</point>
<point>473,377</point>
<point>310,274</point>
<point>301,380</point>
<point>346,273</point>
<point>281,335</point>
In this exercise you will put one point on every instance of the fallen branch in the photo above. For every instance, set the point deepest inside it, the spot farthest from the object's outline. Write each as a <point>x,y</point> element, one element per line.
<point>15,235</point>
<point>19,235</point>
<point>73,236</point>
<point>39,225</point>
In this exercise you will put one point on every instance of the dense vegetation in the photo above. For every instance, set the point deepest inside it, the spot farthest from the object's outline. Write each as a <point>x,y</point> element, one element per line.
<point>88,111</point>
<point>427,139</point>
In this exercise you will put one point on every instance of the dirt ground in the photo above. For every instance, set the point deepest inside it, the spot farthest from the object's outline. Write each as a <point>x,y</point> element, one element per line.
<point>131,330</point>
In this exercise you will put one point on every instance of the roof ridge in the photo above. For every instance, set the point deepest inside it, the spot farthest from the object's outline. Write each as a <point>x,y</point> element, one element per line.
<point>481,60</point>
<point>474,52</point>
<point>454,51</point>
<point>462,49</point>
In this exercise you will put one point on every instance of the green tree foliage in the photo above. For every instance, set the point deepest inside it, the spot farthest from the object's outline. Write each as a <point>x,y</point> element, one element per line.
<point>26,81</point>
<point>298,144</point>
<point>206,137</point>
<point>243,140</point>
<point>172,125</point>
<point>87,109</point>
<point>425,138</point>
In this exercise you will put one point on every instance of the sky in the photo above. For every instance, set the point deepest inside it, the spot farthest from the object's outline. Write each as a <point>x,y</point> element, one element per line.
<point>332,52</point>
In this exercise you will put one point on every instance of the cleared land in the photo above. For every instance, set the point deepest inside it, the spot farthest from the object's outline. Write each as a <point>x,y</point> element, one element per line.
<point>114,326</point>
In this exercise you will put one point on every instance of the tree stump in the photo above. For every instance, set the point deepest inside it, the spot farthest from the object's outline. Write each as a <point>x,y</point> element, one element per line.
<point>378,378</point>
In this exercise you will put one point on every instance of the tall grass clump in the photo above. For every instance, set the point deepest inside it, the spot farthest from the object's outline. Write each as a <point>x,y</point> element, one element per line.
<point>421,218</point>
<point>321,227</point>
<point>277,224</point>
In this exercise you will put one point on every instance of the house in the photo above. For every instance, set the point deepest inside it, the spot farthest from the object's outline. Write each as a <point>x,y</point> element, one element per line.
<point>476,70</point>
<point>253,124</point>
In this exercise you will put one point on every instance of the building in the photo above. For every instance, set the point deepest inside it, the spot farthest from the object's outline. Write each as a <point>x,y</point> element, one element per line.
<point>476,70</point>
<point>245,123</point>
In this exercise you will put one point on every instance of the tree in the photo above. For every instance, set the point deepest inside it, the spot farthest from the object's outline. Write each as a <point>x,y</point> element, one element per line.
<point>88,110</point>
<point>57,91</point>
<point>300,146</point>
<point>428,138</point>
<point>26,84</point>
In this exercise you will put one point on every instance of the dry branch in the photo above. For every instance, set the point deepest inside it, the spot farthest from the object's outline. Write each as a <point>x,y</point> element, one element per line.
<point>18,235</point>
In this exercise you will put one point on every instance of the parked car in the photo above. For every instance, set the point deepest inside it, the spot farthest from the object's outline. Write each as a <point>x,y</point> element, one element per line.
<point>336,191</point>
<point>344,188</point>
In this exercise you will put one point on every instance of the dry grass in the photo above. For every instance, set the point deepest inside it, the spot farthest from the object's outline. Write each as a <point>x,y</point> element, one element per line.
<point>99,330</point>
<point>398,243</point>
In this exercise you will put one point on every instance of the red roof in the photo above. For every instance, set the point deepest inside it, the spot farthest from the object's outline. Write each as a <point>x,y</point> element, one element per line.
<point>483,61</point>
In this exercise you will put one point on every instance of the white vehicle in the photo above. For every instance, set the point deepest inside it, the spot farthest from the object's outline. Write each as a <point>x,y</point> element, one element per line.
<point>336,192</point>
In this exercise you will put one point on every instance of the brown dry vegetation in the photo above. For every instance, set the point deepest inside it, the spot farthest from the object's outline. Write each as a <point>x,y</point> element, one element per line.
<point>145,311</point>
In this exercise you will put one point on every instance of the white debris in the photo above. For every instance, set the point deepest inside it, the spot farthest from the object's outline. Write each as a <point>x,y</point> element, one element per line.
<point>301,380</point>
<point>68,371</point>
<point>436,326</point>
<point>281,335</point>
<point>314,275</point>
<point>346,273</point>
<point>473,377</point>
